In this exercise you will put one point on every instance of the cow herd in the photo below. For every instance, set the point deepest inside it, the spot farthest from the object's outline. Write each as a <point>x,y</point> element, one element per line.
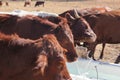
<point>37,48</point>
<point>37,3</point>
<point>105,24</point>
<point>6,3</point>
<point>26,3</point>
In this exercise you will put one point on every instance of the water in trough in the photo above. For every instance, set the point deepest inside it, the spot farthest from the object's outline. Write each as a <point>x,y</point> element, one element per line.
<point>87,69</point>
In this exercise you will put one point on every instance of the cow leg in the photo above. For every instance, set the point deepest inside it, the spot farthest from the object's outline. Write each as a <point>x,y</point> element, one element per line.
<point>30,4</point>
<point>24,5</point>
<point>92,50</point>
<point>91,54</point>
<point>103,47</point>
<point>117,60</point>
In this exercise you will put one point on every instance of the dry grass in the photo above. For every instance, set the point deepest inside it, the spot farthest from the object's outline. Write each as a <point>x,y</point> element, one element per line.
<point>59,6</point>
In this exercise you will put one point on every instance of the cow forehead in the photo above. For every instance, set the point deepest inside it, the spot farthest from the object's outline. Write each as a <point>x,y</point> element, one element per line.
<point>21,13</point>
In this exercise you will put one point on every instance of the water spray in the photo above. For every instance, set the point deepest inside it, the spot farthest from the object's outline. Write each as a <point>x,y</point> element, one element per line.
<point>96,71</point>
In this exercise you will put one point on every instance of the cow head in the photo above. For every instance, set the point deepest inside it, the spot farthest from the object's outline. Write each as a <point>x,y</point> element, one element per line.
<point>57,69</point>
<point>52,68</point>
<point>80,28</point>
<point>41,59</point>
<point>61,30</point>
<point>65,38</point>
<point>51,62</point>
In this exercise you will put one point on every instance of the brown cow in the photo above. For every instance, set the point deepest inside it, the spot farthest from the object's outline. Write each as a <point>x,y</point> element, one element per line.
<point>25,59</point>
<point>39,3</point>
<point>27,3</point>
<point>79,26</point>
<point>34,27</point>
<point>106,26</point>
<point>6,3</point>
<point>88,11</point>
<point>1,3</point>
<point>117,60</point>
<point>93,10</point>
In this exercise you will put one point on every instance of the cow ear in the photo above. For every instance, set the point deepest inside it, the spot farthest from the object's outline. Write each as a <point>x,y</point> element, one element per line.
<point>42,63</point>
<point>69,18</point>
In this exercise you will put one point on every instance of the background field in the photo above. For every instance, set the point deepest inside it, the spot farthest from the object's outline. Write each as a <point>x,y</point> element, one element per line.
<point>59,6</point>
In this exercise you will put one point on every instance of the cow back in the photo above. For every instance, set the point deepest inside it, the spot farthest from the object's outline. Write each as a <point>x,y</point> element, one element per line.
<point>25,56</point>
<point>106,26</point>
<point>34,27</point>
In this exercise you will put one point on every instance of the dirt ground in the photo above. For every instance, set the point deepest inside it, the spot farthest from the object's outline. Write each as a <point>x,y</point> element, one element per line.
<point>58,6</point>
<point>111,52</point>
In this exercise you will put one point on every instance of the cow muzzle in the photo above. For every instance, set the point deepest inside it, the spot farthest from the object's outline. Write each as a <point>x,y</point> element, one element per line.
<point>70,57</point>
<point>90,37</point>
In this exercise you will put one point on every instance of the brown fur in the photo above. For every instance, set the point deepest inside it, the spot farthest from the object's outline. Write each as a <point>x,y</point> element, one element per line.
<point>1,3</point>
<point>26,59</point>
<point>106,26</point>
<point>37,3</point>
<point>85,12</point>
<point>80,28</point>
<point>7,4</point>
<point>34,27</point>
<point>93,10</point>
<point>27,3</point>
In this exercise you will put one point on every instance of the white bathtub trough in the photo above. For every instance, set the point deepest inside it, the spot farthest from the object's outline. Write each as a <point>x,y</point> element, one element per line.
<point>93,70</point>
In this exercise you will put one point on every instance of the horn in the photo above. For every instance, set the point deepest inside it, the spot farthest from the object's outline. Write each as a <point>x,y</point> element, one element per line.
<point>76,14</point>
<point>68,16</point>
